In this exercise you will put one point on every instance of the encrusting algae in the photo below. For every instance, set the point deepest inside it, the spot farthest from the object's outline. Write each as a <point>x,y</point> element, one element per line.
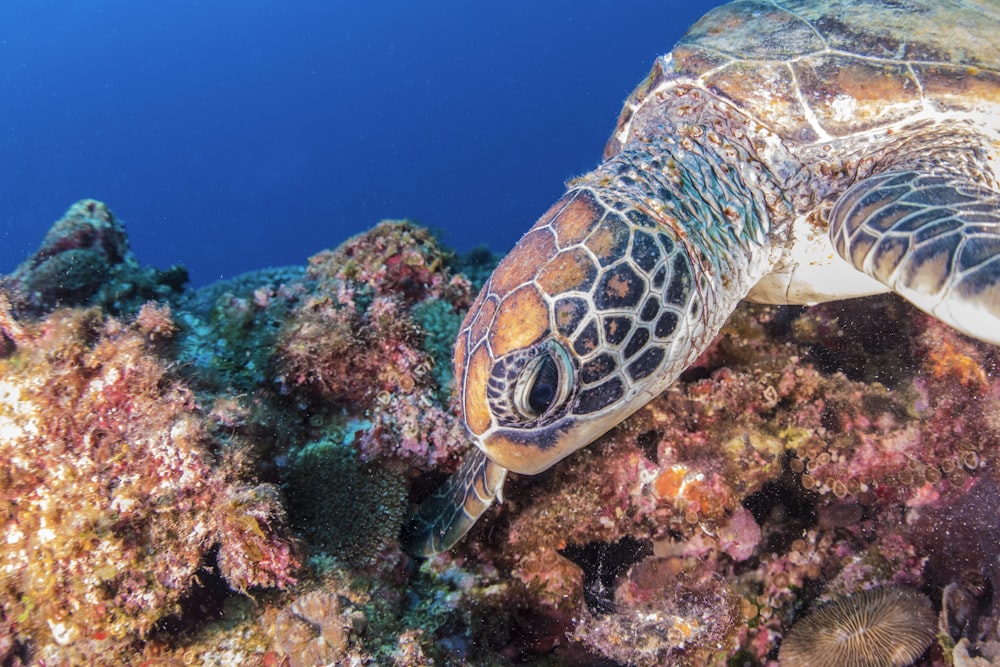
<point>219,476</point>
<point>114,500</point>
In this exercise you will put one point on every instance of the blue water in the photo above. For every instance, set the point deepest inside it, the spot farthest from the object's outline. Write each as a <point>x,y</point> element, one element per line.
<point>232,136</point>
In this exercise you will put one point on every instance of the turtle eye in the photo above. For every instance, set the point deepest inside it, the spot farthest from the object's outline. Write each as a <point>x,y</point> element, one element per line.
<point>544,387</point>
<point>544,382</point>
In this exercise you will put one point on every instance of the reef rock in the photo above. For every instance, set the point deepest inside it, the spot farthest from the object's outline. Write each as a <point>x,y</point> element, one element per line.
<point>85,259</point>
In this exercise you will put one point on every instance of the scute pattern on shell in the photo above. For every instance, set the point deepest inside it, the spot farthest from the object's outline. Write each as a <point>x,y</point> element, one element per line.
<point>817,71</point>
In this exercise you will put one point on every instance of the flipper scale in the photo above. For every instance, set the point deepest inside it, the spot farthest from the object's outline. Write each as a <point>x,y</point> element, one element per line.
<point>933,239</point>
<point>445,517</point>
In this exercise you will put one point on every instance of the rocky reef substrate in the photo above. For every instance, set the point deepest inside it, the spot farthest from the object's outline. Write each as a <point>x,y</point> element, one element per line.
<point>219,476</point>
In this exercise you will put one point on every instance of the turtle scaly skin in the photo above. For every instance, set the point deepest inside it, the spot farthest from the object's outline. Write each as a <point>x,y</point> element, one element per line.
<point>785,152</point>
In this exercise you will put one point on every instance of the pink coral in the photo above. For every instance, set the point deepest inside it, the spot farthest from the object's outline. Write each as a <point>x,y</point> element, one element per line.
<point>740,535</point>
<point>353,335</point>
<point>413,428</point>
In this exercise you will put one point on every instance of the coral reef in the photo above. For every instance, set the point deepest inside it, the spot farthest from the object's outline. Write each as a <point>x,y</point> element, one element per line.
<point>372,337</point>
<point>85,259</point>
<point>229,328</point>
<point>113,501</point>
<point>354,335</point>
<point>154,442</point>
<point>665,613</point>
<point>316,628</point>
<point>828,467</point>
<point>136,443</point>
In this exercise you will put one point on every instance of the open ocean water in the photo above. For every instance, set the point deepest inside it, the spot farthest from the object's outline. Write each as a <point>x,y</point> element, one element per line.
<point>231,136</point>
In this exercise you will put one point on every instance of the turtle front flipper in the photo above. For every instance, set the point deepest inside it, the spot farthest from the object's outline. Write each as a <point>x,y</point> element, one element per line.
<point>933,239</point>
<point>445,517</point>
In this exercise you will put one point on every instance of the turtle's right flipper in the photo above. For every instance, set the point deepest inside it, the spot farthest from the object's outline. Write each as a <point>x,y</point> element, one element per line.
<point>445,517</point>
<point>933,239</point>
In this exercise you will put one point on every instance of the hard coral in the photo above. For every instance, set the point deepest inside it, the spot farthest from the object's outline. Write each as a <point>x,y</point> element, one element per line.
<point>113,501</point>
<point>348,509</point>
<point>881,627</point>
<point>783,476</point>
<point>808,454</point>
<point>665,616</point>
<point>228,329</point>
<point>313,630</point>
<point>252,549</point>
<point>395,257</point>
<point>367,338</point>
<point>414,428</point>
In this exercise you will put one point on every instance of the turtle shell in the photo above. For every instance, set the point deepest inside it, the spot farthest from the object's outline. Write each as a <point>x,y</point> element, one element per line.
<point>815,71</point>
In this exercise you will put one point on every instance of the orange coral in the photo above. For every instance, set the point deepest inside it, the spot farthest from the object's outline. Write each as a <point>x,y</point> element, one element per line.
<point>946,361</point>
<point>155,321</point>
<point>670,482</point>
<point>554,579</point>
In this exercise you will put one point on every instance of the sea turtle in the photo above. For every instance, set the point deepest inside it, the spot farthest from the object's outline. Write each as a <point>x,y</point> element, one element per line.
<point>787,152</point>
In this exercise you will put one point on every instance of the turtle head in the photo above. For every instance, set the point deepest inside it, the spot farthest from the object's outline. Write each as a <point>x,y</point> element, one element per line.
<point>575,330</point>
